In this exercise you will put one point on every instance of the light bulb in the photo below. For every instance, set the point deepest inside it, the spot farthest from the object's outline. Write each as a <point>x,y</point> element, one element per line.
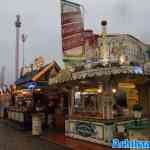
<point>100,90</point>
<point>114,90</point>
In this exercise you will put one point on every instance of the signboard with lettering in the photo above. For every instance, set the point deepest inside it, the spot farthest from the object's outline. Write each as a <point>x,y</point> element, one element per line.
<point>138,70</point>
<point>85,129</point>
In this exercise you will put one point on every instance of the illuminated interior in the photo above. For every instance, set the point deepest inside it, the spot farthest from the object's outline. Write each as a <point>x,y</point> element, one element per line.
<point>90,100</point>
<point>132,94</point>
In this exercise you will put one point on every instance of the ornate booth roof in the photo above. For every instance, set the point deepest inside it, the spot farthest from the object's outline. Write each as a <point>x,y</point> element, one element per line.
<point>67,75</point>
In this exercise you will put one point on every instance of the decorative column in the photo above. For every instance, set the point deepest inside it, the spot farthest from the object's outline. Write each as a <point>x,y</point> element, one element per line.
<point>107,98</point>
<point>107,105</point>
<point>71,105</point>
<point>104,52</point>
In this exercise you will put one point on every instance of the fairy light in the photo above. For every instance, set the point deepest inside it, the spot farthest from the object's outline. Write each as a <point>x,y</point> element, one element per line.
<point>122,59</point>
<point>114,90</point>
<point>100,89</point>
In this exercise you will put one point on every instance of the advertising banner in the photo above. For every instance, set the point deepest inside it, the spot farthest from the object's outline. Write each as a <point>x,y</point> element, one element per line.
<point>72,29</point>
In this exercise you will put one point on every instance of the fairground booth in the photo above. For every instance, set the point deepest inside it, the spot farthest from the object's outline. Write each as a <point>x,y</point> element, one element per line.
<point>31,95</point>
<point>106,79</point>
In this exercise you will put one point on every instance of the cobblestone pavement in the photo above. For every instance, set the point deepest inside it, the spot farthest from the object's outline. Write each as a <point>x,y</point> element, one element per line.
<point>12,139</point>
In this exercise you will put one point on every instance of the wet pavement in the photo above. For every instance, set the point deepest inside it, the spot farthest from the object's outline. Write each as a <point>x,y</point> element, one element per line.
<point>12,139</point>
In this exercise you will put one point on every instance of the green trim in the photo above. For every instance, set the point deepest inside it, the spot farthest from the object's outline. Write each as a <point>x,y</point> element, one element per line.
<point>73,59</point>
<point>80,55</point>
<point>109,122</point>
<point>138,124</point>
<point>137,107</point>
<point>71,3</point>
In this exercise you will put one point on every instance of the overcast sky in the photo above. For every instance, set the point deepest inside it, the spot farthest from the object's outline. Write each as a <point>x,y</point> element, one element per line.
<point>41,22</point>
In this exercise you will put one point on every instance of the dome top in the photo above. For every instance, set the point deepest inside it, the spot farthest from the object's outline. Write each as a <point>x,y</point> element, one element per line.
<point>103,22</point>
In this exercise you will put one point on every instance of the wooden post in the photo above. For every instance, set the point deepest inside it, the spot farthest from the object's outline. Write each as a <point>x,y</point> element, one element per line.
<point>71,102</point>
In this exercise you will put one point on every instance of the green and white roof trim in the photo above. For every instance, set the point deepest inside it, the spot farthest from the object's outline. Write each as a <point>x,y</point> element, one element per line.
<point>68,75</point>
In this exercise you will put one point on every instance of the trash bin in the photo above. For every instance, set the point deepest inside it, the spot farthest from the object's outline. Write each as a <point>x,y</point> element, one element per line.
<point>36,124</point>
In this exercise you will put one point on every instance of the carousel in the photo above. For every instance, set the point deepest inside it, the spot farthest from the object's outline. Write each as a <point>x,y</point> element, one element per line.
<point>104,96</point>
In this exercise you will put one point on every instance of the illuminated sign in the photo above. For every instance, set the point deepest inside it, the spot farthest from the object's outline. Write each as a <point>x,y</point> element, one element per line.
<point>31,85</point>
<point>138,70</point>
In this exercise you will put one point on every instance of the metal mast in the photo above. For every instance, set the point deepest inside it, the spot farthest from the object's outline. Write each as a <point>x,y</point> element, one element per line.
<point>24,38</point>
<point>17,25</point>
<point>2,77</point>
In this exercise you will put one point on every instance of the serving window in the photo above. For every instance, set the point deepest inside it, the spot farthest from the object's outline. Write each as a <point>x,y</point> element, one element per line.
<point>93,102</point>
<point>87,103</point>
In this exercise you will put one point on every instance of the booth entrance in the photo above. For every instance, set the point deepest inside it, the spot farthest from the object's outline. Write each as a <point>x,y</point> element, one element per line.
<point>58,112</point>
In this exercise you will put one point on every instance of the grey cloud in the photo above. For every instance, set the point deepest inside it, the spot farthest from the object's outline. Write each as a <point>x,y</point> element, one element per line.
<point>41,21</point>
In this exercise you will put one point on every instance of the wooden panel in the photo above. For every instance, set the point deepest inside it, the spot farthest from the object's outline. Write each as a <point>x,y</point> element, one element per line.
<point>60,120</point>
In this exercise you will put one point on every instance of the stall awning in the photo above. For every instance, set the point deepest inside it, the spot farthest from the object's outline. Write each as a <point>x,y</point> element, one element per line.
<point>38,77</point>
<point>66,75</point>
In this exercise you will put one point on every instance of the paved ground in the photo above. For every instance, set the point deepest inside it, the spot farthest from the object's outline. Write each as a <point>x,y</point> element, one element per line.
<point>11,139</point>
<point>74,144</point>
